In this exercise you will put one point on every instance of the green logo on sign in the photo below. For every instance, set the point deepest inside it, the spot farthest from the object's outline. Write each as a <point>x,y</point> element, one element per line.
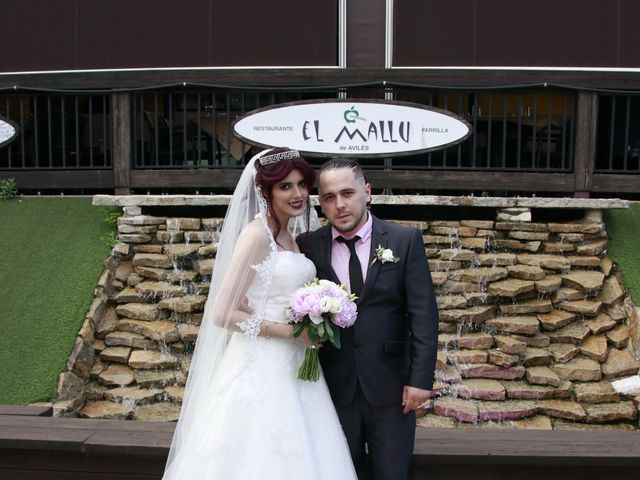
<point>351,115</point>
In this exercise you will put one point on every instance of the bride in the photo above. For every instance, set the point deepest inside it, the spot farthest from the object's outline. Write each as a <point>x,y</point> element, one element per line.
<point>245,415</point>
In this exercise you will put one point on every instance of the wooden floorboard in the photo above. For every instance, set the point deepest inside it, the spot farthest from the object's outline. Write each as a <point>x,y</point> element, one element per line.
<point>25,410</point>
<point>33,447</point>
<point>569,447</point>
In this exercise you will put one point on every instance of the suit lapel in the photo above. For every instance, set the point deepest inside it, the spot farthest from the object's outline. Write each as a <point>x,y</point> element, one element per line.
<point>378,237</point>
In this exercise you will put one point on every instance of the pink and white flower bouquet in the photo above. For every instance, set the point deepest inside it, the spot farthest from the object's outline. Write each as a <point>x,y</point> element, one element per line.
<point>320,306</point>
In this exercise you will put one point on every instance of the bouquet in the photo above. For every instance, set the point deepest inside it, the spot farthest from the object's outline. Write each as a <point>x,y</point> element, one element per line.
<point>320,306</point>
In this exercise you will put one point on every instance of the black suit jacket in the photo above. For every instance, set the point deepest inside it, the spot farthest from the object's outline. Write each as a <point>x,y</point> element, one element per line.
<point>394,340</point>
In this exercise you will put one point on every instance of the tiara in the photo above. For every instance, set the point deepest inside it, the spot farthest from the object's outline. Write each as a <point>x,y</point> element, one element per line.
<point>276,157</point>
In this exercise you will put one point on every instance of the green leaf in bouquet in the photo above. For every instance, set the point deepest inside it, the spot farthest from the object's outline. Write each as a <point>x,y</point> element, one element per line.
<point>328,327</point>
<point>336,338</point>
<point>321,330</point>
<point>313,335</point>
<point>297,329</point>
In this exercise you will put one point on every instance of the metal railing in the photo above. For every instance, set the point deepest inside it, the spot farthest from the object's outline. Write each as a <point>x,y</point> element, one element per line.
<point>526,132</point>
<point>58,132</point>
<point>618,137</point>
<point>511,131</point>
<point>178,130</point>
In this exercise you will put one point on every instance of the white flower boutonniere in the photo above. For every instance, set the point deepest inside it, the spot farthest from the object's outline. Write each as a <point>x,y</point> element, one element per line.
<point>384,255</point>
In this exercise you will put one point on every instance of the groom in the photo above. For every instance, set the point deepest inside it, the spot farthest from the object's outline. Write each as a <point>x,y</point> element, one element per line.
<point>385,367</point>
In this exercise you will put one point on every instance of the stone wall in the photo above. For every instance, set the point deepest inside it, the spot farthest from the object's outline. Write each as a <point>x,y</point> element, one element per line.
<point>534,323</point>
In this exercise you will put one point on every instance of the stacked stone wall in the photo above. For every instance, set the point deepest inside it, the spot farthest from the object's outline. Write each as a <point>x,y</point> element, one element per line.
<point>534,324</point>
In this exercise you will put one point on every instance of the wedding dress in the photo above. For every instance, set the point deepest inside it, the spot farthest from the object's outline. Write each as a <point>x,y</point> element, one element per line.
<point>245,415</point>
<point>264,423</point>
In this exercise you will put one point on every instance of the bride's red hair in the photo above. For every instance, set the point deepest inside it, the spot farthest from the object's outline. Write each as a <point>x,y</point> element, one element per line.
<point>270,174</point>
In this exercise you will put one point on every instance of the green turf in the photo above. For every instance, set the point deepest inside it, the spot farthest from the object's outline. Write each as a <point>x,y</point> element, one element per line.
<point>52,252</point>
<point>623,227</point>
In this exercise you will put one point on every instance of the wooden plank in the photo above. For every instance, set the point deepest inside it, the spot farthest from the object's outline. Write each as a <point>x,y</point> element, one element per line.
<point>59,462</point>
<point>606,182</point>
<point>405,179</point>
<point>524,471</point>
<point>85,424</point>
<point>529,446</point>
<point>185,178</point>
<point>471,181</point>
<point>33,438</point>
<point>320,77</point>
<point>142,443</point>
<point>121,134</point>
<point>53,179</point>
<point>44,448</point>
<point>585,150</point>
<point>32,411</point>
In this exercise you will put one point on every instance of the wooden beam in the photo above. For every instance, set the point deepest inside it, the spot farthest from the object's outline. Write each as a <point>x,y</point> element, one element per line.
<point>607,182</point>
<point>181,179</point>
<point>403,179</point>
<point>321,77</point>
<point>471,181</point>
<point>75,448</point>
<point>59,179</point>
<point>585,150</point>
<point>121,141</point>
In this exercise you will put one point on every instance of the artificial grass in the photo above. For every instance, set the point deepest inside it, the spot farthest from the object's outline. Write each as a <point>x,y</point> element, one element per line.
<point>52,252</point>
<point>623,227</point>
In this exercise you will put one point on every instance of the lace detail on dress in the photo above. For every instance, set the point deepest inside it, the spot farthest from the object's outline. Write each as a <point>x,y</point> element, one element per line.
<point>264,276</point>
<point>251,326</point>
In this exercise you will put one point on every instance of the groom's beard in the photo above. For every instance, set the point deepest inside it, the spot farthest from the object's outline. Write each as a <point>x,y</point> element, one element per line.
<point>351,226</point>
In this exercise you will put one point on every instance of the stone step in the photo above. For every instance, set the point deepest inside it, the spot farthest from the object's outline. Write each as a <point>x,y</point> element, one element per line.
<point>565,409</point>
<point>487,370</point>
<point>507,410</point>
<point>542,376</point>
<point>142,359</point>
<point>479,389</point>
<point>611,412</point>
<point>522,324</point>
<point>556,319</point>
<point>106,410</point>
<point>161,331</point>
<point>525,391</point>
<point>527,306</point>
<point>477,314</point>
<point>595,392</point>
<point>620,363</point>
<point>589,281</point>
<point>458,409</point>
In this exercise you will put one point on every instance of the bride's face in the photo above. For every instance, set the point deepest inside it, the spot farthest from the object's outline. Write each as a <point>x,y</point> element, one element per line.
<point>289,196</point>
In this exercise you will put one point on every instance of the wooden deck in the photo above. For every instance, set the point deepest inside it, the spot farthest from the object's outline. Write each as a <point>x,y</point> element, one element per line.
<point>36,446</point>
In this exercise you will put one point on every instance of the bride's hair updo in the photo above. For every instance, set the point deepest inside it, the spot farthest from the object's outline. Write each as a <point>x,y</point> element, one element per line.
<point>273,167</point>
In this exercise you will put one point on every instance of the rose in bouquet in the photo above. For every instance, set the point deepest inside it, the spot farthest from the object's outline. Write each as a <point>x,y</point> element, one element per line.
<point>323,308</point>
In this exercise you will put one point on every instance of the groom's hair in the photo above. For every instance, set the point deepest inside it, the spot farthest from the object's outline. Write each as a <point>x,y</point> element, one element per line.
<point>336,163</point>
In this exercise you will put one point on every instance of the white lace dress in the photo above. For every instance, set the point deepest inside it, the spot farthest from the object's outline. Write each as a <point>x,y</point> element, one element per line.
<point>264,423</point>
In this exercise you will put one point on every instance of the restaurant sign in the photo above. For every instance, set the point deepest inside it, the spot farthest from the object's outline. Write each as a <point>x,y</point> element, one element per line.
<point>353,127</point>
<point>8,131</point>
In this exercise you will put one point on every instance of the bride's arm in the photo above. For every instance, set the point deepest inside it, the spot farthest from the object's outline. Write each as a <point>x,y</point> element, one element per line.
<point>230,308</point>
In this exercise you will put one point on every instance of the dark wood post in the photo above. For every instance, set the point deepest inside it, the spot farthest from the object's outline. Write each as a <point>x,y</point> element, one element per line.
<point>121,130</point>
<point>585,152</point>
<point>366,33</point>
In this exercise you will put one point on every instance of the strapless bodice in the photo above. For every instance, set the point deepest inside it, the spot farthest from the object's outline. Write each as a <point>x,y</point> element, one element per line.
<point>281,275</point>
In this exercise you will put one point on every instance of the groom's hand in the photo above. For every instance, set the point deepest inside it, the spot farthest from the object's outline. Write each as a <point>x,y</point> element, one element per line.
<point>413,398</point>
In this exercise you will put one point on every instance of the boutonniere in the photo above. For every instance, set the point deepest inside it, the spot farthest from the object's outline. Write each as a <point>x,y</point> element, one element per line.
<point>384,255</point>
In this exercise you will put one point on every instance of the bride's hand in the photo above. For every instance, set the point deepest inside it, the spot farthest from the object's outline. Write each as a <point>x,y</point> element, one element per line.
<point>244,306</point>
<point>304,338</point>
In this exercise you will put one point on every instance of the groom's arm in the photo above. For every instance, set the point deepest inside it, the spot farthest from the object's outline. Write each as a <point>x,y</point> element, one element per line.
<point>422,318</point>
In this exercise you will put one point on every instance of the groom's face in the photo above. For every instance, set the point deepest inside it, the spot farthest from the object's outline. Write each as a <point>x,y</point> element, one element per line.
<point>344,199</point>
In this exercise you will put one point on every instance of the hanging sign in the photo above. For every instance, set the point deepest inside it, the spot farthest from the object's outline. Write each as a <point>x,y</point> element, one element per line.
<point>353,127</point>
<point>8,131</point>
